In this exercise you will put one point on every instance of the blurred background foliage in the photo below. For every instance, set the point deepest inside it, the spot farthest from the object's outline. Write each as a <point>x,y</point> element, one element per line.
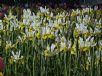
<point>13,2</point>
<point>37,1</point>
<point>17,2</point>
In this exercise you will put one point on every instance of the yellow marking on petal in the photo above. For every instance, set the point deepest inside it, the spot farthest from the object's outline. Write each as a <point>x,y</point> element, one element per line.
<point>1,74</point>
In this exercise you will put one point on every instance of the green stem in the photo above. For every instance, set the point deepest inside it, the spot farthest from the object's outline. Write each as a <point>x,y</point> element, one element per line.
<point>15,69</point>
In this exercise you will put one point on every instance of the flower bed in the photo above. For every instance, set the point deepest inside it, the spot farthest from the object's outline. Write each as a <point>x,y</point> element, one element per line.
<point>52,43</point>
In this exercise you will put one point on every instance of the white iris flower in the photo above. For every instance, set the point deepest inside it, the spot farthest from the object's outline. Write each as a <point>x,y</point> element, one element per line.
<point>16,56</point>
<point>44,10</point>
<point>81,27</point>
<point>1,25</point>
<point>87,42</point>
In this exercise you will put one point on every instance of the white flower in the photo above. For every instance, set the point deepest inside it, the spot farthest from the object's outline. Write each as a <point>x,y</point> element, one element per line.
<point>16,56</point>
<point>26,13</point>
<point>57,38</point>
<point>89,59</point>
<point>90,30</point>
<point>100,43</point>
<point>59,21</point>
<point>46,30</point>
<point>13,23</point>
<point>87,42</point>
<point>44,10</point>
<point>1,25</point>
<point>90,42</point>
<point>51,48</point>
<point>8,44</point>
<point>27,17</point>
<point>26,22</point>
<point>29,12</point>
<point>10,16</point>
<point>96,30</point>
<point>69,44</point>
<point>79,19</point>
<point>76,11</point>
<point>63,39</point>
<point>97,53</point>
<point>33,24</point>
<point>86,19</point>
<point>51,14</point>
<point>20,38</point>
<point>50,23</point>
<point>29,33</point>
<point>81,42</point>
<point>86,10</point>
<point>81,27</point>
<point>95,7</point>
<point>63,42</point>
<point>99,22</point>
<point>43,30</point>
